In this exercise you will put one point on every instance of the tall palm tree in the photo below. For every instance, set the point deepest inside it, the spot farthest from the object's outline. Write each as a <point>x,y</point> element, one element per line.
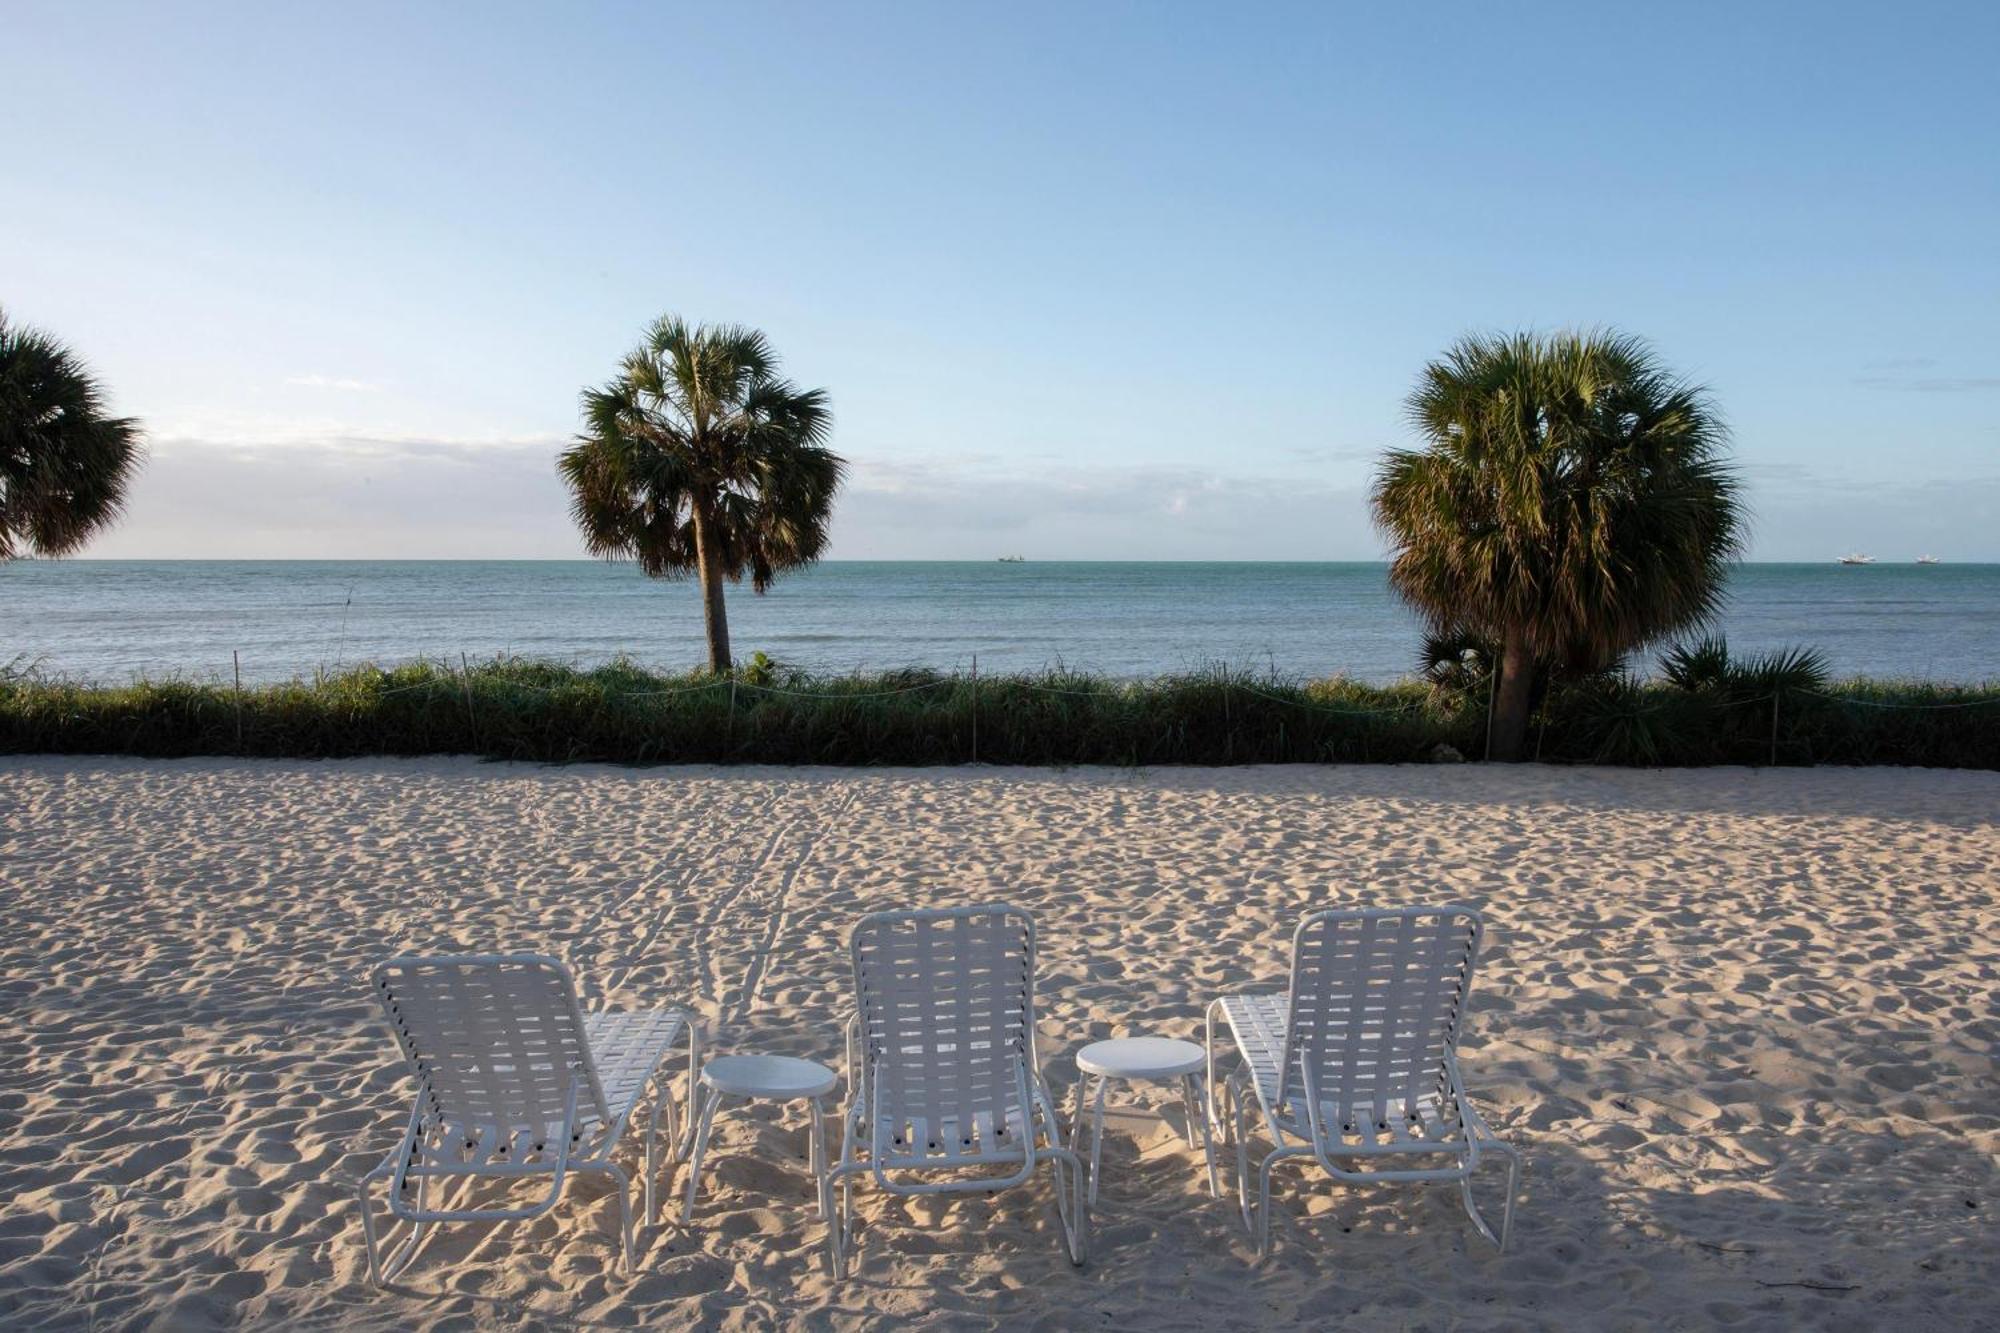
<point>698,459</point>
<point>64,464</point>
<point>1572,502</point>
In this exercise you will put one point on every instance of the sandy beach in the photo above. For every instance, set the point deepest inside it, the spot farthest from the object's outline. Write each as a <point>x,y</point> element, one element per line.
<point>1741,1024</point>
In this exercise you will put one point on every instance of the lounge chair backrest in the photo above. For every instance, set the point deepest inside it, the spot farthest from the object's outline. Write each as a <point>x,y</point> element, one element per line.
<point>1376,1001</point>
<point>947,1006</point>
<point>495,1040</point>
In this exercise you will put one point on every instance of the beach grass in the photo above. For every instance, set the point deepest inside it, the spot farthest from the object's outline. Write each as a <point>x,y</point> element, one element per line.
<point>521,709</point>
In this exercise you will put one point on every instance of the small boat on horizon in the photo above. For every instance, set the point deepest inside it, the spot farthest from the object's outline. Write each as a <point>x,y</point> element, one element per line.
<point>1013,559</point>
<point>1857,560</point>
<point>1928,560</point>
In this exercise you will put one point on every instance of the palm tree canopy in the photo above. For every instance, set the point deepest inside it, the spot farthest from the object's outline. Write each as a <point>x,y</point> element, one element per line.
<point>64,464</point>
<point>1571,489</point>
<point>697,428</point>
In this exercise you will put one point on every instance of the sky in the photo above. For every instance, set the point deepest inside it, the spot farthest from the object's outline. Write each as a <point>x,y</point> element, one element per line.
<point>1090,281</point>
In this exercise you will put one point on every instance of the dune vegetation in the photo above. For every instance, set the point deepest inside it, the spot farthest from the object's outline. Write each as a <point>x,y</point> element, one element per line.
<point>1761,711</point>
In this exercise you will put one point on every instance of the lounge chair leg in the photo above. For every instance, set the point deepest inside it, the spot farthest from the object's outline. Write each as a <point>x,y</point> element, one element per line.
<point>623,1184</point>
<point>1208,1048</point>
<point>1507,1209</point>
<point>1264,1205</point>
<point>685,1141</point>
<point>1234,1091</point>
<point>368,1228</point>
<point>1065,1205</point>
<point>836,1242</point>
<point>1072,1201</point>
<point>847,1157</point>
<point>384,1271</point>
<point>653,1151</point>
<point>840,1221</point>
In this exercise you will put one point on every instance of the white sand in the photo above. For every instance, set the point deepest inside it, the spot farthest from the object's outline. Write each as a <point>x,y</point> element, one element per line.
<point>1741,1023</point>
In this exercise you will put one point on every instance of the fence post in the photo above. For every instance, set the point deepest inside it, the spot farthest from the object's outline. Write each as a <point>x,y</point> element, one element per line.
<point>975,708</point>
<point>729,723</point>
<point>1776,694</point>
<point>465,679</point>
<point>236,661</point>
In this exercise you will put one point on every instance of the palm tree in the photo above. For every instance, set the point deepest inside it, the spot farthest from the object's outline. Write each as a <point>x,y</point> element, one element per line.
<point>1572,503</point>
<point>64,464</point>
<point>698,459</point>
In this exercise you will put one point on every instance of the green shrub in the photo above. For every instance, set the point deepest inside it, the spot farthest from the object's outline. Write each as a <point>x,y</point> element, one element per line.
<point>1703,665</point>
<point>1458,660</point>
<point>513,708</point>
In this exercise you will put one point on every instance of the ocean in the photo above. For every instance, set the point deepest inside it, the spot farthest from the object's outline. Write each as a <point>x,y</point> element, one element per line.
<point>113,620</point>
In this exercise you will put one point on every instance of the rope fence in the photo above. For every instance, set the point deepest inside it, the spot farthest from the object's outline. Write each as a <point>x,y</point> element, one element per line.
<point>1397,711</point>
<point>1217,715</point>
<point>484,677</point>
<point>1879,703</point>
<point>1119,686</point>
<point>971,682</point>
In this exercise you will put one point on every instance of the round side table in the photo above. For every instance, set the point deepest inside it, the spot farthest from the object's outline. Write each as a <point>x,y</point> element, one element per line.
<point>777,1078</point>
<point>1140,1059</point>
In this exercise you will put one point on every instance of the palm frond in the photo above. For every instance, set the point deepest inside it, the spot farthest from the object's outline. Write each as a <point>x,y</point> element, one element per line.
<point>1702,665</point>
<point>64,463</point>
<point>1570,489</point>
<point>1780,671</point>
<point>697,422</point>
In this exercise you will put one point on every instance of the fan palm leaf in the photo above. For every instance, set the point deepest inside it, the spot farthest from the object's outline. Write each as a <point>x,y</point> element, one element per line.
<point>1572,502</point>
<point>697,459</point>
<point>64,463</point>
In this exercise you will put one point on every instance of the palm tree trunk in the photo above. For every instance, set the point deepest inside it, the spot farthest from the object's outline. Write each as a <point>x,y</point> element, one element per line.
<point>1510,702</point>
<point>715,617</point>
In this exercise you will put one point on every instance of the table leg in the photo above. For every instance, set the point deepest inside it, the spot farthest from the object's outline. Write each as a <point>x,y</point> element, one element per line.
<point>708,1105</point>
<point>1197,1109</point>
<point>816,1141</point>
<point>1097,1133</point>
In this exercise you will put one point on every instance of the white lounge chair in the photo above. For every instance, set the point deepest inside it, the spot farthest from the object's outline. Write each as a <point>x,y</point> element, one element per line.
<point>1357,1066</point>
<point>943,1075</point>
<point>514,1080</point>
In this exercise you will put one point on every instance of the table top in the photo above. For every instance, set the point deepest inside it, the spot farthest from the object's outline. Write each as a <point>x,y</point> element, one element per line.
<point>1141,1057</point>
<point>776,1076</point>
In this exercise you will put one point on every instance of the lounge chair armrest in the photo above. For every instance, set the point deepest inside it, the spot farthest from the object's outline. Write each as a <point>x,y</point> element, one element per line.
<point>851,1031</point>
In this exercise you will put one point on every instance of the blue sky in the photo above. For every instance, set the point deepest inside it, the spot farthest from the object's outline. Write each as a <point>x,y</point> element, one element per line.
<point>1093,281</point>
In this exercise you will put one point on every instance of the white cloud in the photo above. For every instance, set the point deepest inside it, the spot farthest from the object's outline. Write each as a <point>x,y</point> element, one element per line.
<point>346,496</point>
<point>1809,517</point>
<point>333,440</point>
<point>357,494</point>
<point>966,509</point>
<point>318,381</point>
<point>343,492</point>
<point>1929,383</point>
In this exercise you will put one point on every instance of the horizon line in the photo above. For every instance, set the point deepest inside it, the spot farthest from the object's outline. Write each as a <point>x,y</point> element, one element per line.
<point>851,560</point>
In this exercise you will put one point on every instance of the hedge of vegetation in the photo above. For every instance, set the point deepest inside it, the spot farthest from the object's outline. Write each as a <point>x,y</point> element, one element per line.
<point>1704,713</point>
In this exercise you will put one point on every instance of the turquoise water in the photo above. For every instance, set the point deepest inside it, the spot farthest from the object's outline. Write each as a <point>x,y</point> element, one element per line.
<point>111,620</point>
